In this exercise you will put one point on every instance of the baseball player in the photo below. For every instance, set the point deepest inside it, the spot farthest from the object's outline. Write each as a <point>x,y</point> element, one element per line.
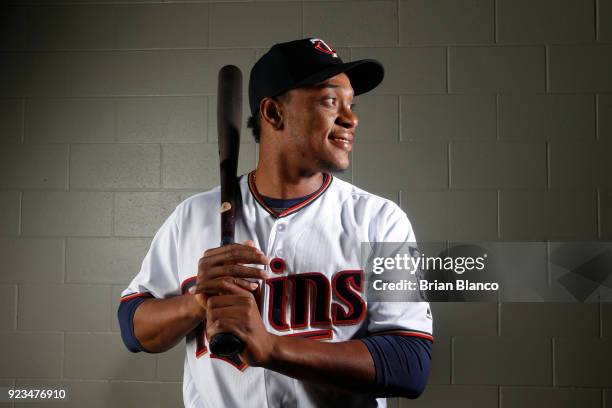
<point>293,291</point>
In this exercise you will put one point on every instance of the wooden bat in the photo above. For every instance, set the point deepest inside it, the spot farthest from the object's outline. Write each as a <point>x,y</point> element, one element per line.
<point>229,116</point>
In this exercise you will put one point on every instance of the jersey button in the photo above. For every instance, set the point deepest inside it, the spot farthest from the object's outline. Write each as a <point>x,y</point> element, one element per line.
<point>280,227</point>
<point>280,252</point>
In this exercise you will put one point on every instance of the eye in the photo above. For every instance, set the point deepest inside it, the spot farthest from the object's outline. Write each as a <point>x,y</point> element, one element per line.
<point>329,100</point>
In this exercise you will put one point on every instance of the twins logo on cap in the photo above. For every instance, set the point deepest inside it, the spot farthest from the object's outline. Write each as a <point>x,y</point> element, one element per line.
<point>323,47</point>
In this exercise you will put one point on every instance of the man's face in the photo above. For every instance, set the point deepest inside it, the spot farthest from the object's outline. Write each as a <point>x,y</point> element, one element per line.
<point>320,124</point>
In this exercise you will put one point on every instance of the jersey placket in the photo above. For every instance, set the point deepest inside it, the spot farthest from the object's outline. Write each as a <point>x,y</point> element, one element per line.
<point>275,242</point>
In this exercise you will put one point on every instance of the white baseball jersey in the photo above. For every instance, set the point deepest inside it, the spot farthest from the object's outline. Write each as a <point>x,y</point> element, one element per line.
<point>316,289</point>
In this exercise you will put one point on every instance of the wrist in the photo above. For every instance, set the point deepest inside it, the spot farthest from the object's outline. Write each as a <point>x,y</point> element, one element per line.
<point>275,351</point>
<point>192,309</point>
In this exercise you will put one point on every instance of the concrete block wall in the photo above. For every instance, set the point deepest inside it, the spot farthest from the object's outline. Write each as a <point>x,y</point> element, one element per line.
<point>494,122</point>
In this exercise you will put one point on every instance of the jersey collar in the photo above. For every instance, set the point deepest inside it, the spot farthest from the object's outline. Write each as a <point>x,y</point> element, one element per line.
<point>327,179</point>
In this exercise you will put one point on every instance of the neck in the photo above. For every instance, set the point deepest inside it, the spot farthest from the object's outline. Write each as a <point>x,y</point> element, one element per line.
<point>276,180</point>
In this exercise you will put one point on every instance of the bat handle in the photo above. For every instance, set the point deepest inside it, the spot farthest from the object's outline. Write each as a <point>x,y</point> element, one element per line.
<point>226,240</point>
<point>226,344</point>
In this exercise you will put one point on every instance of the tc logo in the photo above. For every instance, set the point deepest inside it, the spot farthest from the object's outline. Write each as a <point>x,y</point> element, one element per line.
<point>322,46</point>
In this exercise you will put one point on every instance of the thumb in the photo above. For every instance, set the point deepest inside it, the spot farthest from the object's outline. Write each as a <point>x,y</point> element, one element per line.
<point>250,243</point>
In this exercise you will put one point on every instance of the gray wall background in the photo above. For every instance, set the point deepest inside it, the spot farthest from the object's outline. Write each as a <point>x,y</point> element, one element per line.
<point>494,122</point>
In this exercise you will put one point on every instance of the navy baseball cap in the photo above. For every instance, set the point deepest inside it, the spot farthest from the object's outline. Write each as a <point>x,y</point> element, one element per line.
<point>306,62</point>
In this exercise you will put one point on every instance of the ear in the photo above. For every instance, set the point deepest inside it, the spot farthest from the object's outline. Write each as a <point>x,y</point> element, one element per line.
<point>272,112</point>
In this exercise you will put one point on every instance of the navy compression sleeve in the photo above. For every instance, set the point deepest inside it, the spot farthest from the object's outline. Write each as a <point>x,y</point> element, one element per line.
<point>402,364</point>
<point>125,314</point>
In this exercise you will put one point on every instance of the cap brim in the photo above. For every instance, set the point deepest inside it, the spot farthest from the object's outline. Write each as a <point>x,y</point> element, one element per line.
<point>365,75</point>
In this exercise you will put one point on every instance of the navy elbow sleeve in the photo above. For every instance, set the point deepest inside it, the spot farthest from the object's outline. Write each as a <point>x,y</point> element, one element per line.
<point>125,314</point>
<point>402,364</point>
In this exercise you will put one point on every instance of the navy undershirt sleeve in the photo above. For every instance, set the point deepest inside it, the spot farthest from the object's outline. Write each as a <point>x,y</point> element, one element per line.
<point>402,364</point>
<point>125,314</point>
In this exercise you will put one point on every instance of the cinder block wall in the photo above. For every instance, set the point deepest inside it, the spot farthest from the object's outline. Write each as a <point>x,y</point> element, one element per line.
<point>494,122</point>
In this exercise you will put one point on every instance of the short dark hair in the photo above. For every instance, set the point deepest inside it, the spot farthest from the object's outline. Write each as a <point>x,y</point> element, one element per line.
<point>254,121</point>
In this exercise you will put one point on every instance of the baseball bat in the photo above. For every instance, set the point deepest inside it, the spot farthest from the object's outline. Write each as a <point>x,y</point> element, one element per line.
<point>229,116</point>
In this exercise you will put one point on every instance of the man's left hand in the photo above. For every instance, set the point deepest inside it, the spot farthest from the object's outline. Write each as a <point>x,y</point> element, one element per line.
<point>239,315</point>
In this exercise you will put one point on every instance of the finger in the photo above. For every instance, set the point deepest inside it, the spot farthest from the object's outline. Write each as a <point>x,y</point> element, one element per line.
<point>227,325</point>
<point>238,271</point>
<point>229,300</point>
<point>242,255</point>
<point>226,286</point>
<point>231,247</point>
<point>250,243</point>
<point>239,312</point>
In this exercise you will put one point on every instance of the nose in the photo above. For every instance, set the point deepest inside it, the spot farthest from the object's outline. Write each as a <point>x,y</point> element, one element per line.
<point>347,118</point>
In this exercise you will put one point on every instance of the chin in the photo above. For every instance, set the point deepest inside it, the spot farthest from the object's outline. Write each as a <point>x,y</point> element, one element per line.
<point>335,166</point>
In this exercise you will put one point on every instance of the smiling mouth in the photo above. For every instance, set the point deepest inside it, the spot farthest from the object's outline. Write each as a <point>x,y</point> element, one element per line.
<point>342,142</point>
<point>343,139</point>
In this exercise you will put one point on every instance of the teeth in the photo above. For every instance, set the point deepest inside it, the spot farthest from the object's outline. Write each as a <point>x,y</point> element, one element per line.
<point>340,138</point>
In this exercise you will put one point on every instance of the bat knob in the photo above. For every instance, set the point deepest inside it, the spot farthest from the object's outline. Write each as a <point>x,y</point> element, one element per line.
<point>225,345</point>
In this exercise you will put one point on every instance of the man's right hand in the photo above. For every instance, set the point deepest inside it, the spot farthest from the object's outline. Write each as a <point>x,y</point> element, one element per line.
<point>223,271</point>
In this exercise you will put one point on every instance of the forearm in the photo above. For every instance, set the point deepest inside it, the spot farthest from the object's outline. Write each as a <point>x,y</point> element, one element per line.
<point>347,365</point>
<point>159,324</point>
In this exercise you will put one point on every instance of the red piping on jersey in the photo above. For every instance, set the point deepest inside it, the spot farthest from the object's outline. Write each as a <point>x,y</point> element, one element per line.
<point>186,282</point>
<point>407,333</point>
<point>240,367</point>
<point>135,295</point>
<point>327,179</point>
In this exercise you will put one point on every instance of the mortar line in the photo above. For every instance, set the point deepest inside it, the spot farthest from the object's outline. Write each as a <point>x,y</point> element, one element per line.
<point>553,349</point>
